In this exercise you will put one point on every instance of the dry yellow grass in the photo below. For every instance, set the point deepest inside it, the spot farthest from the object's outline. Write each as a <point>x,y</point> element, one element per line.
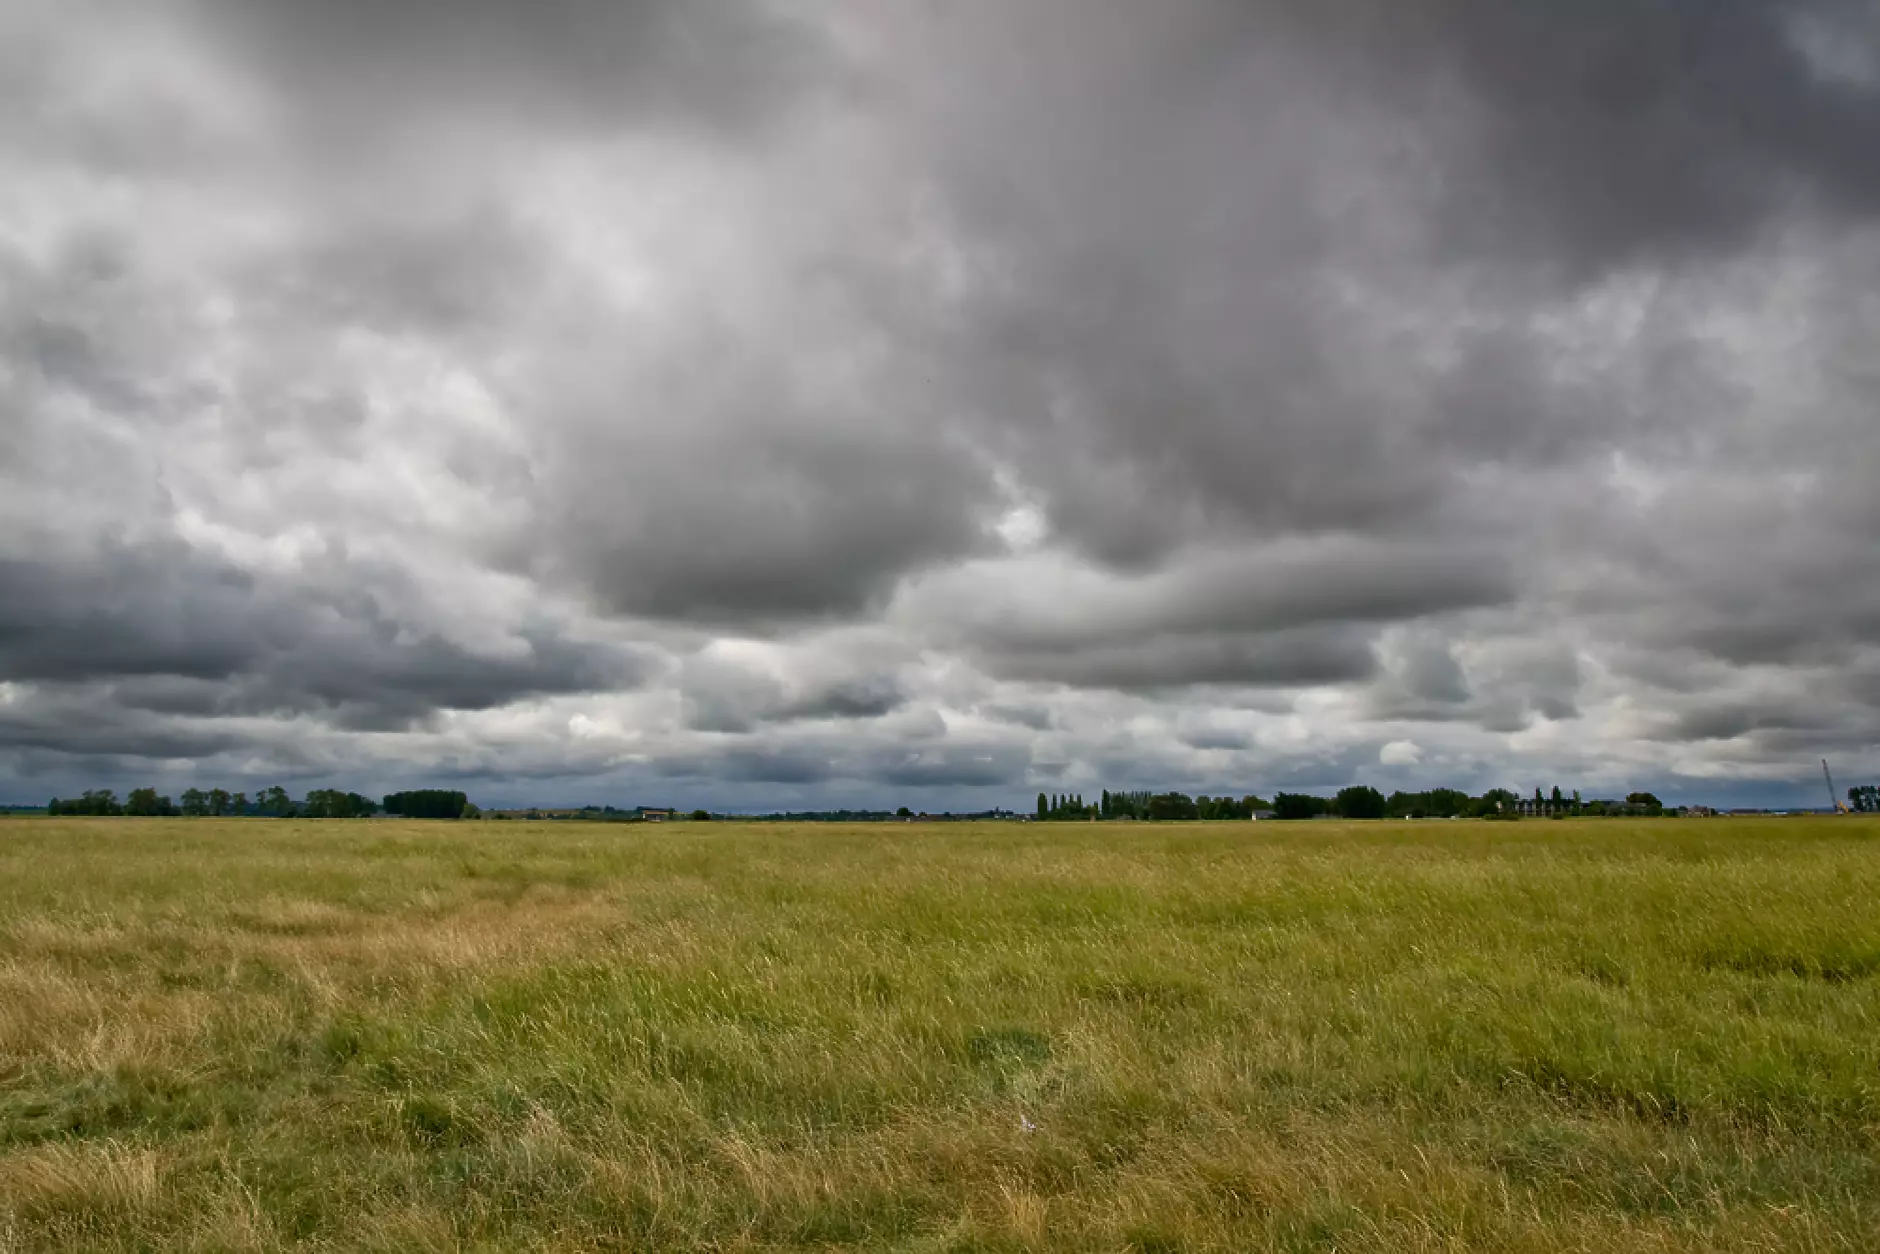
<point>384,1035</point>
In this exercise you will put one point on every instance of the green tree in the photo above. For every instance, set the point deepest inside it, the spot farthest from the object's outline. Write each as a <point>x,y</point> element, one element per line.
<point>1645,800</point>
<point>1447,802</point>
<point>331,803</point>
<point>146,803</point>
<point>238,804</point>
<point>1043,810</point>
<point>1294,805</point>
<point>1172,807</point>
<point>1360,801</point>
<point>427,803</point>
<point>275,801</point>
<point>219,801</point>
<point>195,802</point>
<point>1494,801</point>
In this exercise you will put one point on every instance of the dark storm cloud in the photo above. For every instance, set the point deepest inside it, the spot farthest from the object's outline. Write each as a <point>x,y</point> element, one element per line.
<point>774,529</point>
<point>1035,717</point>
<point>1729,720</point>
<point>1278,659</point>
<point>1614,132</point>
<point>1293,616</point>
<point>463,271</point>
<point>1183,203</point>
<point>868,696</point>
<point>1216,738</point>
<point>1422,680</point>
<point>92,722</point>
<point>359,68</point>
<point>723,696</point>
<point>1490,366</point>
<point>819,758</point>
<point>760,764</point>
<point>255,645</point>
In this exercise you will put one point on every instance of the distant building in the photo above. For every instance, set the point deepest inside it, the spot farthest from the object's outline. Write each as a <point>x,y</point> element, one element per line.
<point>655,815</point>
<point>1258,815</point>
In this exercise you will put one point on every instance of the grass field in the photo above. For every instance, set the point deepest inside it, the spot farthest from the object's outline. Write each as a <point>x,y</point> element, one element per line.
<point>245,1034</point>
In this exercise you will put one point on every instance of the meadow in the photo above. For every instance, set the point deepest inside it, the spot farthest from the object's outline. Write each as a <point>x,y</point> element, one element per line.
<point>1539,1036</point>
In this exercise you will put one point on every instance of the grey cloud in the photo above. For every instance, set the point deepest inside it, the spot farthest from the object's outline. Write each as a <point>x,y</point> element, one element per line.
<point>956,766</point>
<point>165,610</point>
<point>867,696</point>
<point>1278,659</point>
<point>1038,718</point>
<point>811,758</point>
<point>462,270</point>
<point>91,723</point>
<point>1289,616</point>
<point>1729,720</point>
<point>1493,365</point>
<point>760,540</point>
<point>752,764</point>
<point>1262,589</point>
<point>358,69</point>
<point>724,696</point>
<point>1217,738</point>
<point>1425,669</point>
<point>1642,130</point>
<point>1522,678</point>
<point>721,697</point>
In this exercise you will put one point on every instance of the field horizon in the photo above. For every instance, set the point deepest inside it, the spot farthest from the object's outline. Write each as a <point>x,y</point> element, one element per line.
<point>398,1034</point>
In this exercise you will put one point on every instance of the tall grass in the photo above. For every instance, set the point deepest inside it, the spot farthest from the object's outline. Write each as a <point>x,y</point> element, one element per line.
<point>246,1034</point>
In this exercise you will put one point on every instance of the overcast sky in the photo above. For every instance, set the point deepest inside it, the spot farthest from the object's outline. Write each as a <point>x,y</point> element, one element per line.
<point>790,404</point>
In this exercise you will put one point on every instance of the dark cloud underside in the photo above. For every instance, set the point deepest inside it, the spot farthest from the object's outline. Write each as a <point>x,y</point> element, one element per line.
<point>827,401</point>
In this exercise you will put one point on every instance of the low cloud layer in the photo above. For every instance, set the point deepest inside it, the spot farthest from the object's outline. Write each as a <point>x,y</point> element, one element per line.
<point>745,403</point>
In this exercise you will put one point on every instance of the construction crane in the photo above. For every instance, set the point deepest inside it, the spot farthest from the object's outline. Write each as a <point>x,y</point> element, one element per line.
<point>1840,806</point>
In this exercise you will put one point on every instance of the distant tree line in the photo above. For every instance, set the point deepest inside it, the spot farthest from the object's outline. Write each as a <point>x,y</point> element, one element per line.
<point>1360,802</point>
<point>1356,802</point>
<point>274,802</point>
<point>1864,799</point>
<point>1163,806</point>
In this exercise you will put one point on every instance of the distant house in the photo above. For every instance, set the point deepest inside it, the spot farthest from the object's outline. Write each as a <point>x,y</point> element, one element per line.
<point>1258,815</point>
<point>655,815</point>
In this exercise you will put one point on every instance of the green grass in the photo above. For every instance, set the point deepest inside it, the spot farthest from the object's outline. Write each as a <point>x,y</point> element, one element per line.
<point>1594,1036</point>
